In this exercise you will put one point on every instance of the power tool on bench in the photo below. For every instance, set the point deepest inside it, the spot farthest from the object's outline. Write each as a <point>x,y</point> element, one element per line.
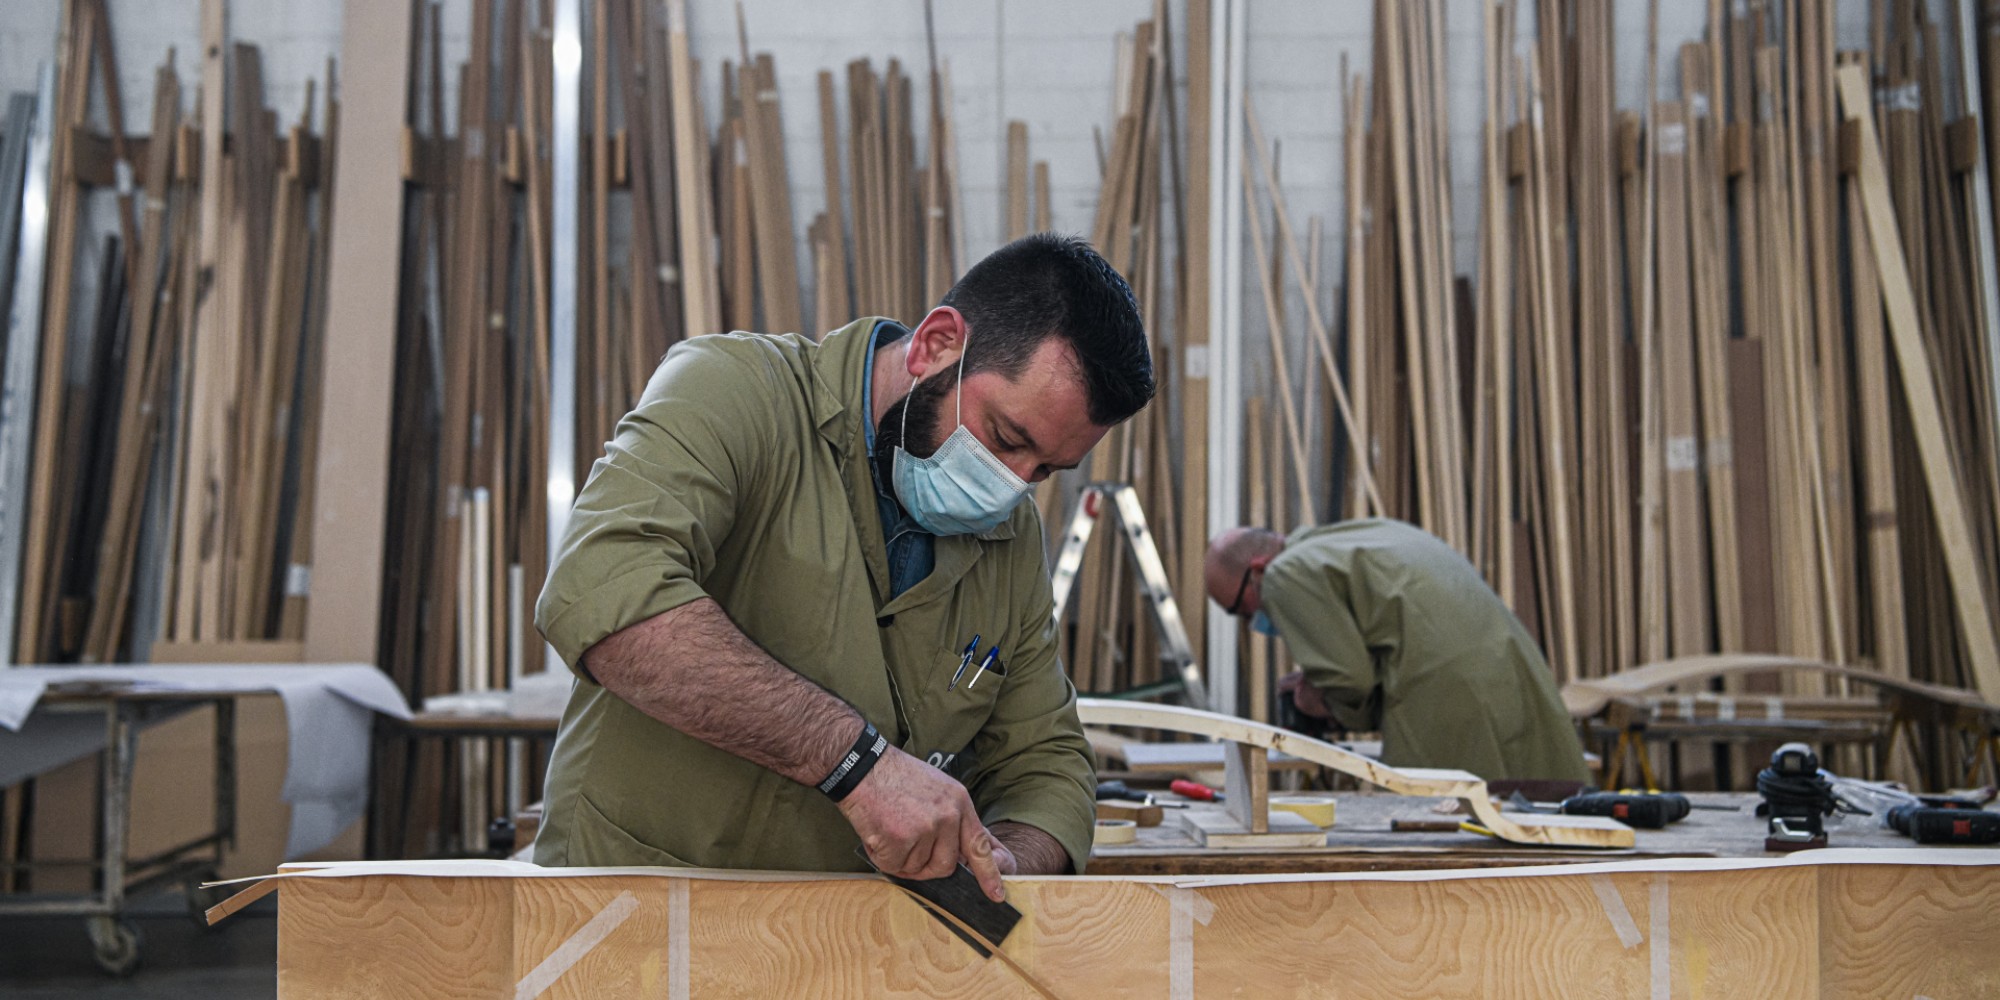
<point>1644,810</point>
<point>1797,799</point>
<point>1945,821</point>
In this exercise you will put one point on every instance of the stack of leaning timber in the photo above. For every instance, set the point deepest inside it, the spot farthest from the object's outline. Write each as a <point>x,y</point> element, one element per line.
<point>155,503</point>
<point>1673,414</point>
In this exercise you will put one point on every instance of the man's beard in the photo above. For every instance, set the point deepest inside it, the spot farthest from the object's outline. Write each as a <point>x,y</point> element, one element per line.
<point>924,403</point>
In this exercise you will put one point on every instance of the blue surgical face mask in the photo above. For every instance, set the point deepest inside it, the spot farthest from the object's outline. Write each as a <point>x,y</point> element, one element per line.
<point>961,489</point>
<point>1261,624</point>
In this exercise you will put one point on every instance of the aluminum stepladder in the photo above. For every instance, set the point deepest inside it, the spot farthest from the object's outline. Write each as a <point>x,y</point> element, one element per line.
<point>1175,650</point>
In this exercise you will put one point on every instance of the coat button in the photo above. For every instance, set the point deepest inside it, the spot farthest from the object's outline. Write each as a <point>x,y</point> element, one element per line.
<point>885,621</point>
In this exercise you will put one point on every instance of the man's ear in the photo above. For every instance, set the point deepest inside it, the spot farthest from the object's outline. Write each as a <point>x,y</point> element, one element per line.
<point>936,342</point>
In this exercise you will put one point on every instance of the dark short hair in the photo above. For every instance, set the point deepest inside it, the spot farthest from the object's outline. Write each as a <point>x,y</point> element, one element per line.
<point>1054,285</point>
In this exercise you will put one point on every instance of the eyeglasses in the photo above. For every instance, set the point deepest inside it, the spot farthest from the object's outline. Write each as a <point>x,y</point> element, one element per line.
<point>1241,588</point>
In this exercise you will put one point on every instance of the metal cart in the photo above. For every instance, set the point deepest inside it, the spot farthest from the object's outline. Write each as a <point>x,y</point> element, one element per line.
<point>116,877</point>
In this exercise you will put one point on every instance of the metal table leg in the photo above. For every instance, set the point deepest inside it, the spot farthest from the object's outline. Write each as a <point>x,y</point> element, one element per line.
<point>114,940</point>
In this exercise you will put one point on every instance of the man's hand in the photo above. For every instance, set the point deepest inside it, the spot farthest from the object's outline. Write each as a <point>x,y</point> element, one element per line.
<point>1304,695</point>
<point>917,823</point>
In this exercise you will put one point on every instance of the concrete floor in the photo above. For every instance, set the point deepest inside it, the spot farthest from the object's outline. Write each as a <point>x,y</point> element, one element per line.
<point>48,958</point>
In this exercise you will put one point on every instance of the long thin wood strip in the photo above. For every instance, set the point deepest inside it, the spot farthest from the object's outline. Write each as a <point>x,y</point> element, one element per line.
<point>1314,322</point>
<point>1686,526</point>
<point>1044,213</point>
<point>1275,329</point>
<point>1710,257</point>
<point>1885,560</point>
<point>1976,621</point>
<point>1652,523</point>
<point>840,302</point>
<point>39,584</point>
<point>1017,179</point>
<point>114,113</point>
<point>690,182</point>
<point>777,246</point>
<point>1555,435</point>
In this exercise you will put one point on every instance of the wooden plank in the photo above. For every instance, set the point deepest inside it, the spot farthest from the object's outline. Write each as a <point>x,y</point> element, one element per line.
<point>1194,283</point>
<point>1753,494</point>
<point>1652,565</point>
<point>352,470</point>
<point>839,300</point>
<point>1217,831</point>
<point>1976,621</point>
<point>1709,257</point>
<point>1043,221</point>
<point>1017,180</point>
<point>697,269</point>
<point>1871,369</point>
<point>1556,439</point>
<point>43,509</point>
<point>1687,546</point>
<point>771,205</point>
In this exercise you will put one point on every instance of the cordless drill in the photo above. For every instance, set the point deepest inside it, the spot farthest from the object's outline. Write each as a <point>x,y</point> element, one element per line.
<point>1647,811</point>
<point>1928,823</point>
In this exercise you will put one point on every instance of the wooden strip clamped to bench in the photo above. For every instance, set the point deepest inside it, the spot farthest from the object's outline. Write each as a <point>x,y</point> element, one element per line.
<point>1249,798</point>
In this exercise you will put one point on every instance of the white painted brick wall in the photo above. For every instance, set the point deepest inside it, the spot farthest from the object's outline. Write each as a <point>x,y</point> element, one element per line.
<point>1048,62</point>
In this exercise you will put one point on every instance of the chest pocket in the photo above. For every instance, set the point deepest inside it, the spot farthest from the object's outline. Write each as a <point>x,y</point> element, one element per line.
<point>944,718</point>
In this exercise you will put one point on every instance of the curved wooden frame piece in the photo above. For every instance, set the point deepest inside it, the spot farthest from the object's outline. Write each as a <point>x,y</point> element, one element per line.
<point>1469,788</point>
<point>1584,699</point>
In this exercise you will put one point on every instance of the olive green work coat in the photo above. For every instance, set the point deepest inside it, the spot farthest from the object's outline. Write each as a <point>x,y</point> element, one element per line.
<point>1402,635</point>
<point>742,475</point>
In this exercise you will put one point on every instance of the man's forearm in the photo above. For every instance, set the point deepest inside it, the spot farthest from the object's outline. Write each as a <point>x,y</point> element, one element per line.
<point>694,670</point>
<point>1035,852</point>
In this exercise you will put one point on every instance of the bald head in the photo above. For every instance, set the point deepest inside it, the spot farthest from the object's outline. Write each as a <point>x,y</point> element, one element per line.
<point>1232,554</point>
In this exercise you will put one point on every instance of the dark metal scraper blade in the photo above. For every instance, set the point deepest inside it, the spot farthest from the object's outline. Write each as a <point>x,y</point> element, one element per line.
<point>959,894</point>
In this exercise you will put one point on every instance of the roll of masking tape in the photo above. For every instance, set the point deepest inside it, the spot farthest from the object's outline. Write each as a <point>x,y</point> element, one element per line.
<point>1316,809</point>
<point>1115,831</point>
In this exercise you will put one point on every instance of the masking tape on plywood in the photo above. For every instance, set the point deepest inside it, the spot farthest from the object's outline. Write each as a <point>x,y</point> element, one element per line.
<point>1316,809</point>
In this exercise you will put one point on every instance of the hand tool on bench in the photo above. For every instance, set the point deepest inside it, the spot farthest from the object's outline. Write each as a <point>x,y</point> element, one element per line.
<point>959,894</point>
<point>1644,810</point>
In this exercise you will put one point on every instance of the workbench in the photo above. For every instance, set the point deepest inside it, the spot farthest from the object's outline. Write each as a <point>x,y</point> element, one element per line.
<point>1361,841</point>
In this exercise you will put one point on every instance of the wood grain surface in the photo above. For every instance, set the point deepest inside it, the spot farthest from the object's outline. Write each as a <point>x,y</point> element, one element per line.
<point>1800,930</point>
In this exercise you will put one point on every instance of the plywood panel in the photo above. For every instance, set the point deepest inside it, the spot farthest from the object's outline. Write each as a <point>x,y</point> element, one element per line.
<point>1668,929</point>
<point>1891,931</point>
<point>395,937</point>
<point>630,957</point>
<point>1512,937</point>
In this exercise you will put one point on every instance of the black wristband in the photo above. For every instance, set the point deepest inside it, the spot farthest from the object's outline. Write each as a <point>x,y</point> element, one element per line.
<point>855,764</point>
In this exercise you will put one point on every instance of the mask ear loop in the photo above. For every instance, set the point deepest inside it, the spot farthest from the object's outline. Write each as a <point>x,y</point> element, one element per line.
<point>959,410</point>
<point>963,350</point>
<point>903,436</point>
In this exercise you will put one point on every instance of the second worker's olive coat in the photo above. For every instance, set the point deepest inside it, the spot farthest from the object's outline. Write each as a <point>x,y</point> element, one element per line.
<point>742,475</point>
<point>1402,635</point>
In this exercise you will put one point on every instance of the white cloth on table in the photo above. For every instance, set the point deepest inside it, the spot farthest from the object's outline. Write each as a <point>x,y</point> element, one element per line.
<point>327,714</point>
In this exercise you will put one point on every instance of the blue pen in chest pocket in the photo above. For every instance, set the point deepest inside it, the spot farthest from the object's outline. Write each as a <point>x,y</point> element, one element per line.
<point>964,659</point>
